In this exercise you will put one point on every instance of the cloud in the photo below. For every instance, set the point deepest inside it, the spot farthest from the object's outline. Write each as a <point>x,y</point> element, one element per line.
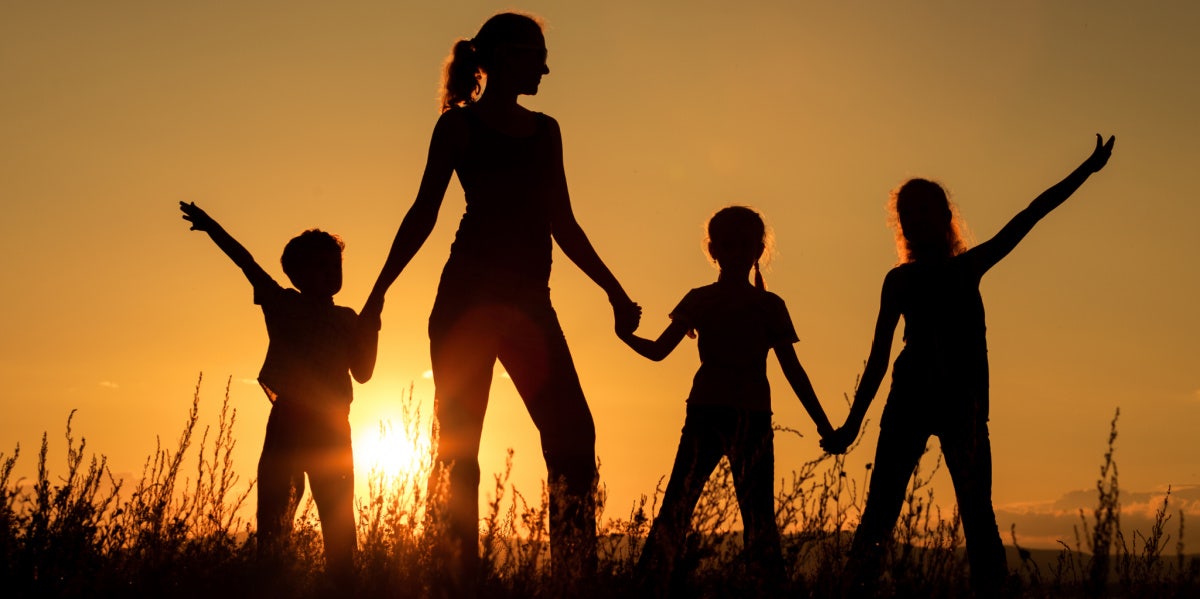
<point>248,382</point>
<point>109,385</point>
<point>1045,524</point>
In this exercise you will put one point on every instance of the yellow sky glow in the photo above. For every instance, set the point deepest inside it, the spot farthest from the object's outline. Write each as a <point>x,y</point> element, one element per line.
<point>280,119</point>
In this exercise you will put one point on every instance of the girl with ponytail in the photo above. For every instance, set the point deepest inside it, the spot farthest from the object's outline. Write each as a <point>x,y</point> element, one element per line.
<point>729,408</point>
<point>493,299</point>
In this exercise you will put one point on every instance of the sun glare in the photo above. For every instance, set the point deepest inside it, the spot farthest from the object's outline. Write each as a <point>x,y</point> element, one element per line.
<point>387,450</point>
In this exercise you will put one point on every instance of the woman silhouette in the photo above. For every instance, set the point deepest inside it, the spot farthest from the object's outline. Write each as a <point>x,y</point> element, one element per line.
<point>493,300</point>
<point>940,378</point>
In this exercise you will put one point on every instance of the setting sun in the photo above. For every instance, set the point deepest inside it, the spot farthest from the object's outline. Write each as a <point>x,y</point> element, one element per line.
<point>387,450</point>
<point>391,436</point>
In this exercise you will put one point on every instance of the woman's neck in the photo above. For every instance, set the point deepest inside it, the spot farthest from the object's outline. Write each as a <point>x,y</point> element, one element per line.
<point>497,100</point>
<point>502,113</point>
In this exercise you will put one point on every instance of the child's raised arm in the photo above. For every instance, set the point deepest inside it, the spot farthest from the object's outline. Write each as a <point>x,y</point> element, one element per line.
<point>798,379</point>
<point>659,348</point>
<point>201,221</point>
<point>995,249</point>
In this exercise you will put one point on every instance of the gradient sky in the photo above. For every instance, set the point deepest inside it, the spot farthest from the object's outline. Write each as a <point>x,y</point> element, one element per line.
<point>276,117</point>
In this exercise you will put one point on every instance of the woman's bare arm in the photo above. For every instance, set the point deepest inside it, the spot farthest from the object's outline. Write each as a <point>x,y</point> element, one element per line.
<point>449,139</point>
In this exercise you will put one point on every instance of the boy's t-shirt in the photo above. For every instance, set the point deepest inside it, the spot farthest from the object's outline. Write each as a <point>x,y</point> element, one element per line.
<point>736,326</point>
<point>309,353</point>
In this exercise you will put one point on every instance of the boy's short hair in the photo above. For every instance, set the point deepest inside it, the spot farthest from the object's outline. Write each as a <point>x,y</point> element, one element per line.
<point>308,251</point>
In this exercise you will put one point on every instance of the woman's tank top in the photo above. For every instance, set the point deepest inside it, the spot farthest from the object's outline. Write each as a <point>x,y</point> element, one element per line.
<point>503,244</point>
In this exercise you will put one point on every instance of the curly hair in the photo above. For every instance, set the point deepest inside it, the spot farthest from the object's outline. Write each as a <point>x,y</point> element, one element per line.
<point>926,222</point>
<point>308,252</point>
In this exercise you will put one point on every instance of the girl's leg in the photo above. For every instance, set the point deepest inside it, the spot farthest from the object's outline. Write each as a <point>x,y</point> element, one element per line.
<point>752,458</point>
<point>968,454</point>
<point>535,354</point>
<point>331,476</point>
<point>280,479</point>
<point>463,354</point>
<point>700,449</point>
<point>896,456</point>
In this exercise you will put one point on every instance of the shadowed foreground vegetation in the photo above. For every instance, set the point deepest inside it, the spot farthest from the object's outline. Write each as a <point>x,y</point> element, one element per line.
<point>179,532</point>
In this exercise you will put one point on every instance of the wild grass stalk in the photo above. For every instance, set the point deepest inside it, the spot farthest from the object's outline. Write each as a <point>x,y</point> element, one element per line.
<point>179,531</point>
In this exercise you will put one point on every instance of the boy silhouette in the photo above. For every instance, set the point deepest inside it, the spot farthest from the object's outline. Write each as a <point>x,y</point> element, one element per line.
<point>314,347</point>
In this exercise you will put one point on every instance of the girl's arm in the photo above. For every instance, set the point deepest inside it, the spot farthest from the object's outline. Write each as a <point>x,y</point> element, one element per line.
<point>877,362</point>
<point>576,246</point>
<point>366,347</point>
<point>449,139</point>
<point>659,348</point>
<point>798,379</point>
<point>995,249</point>
<point>201,221</point>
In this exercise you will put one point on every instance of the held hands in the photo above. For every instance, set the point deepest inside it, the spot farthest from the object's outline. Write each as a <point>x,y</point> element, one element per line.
<point>200,219</point>
<point>370,318</point>
<point>627,315</point>
<point>1100,155</point>
<point>839,440</point>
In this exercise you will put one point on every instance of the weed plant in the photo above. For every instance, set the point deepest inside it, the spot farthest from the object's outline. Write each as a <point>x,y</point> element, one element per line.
<point>179,532</point>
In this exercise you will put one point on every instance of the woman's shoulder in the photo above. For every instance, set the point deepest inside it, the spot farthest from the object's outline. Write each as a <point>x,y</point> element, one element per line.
<point>547,123</point>
<point>454,121</point>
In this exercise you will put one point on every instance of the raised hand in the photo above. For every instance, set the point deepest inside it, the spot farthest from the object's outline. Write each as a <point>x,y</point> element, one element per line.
<point>200,219</point>
<point>1100,155</point>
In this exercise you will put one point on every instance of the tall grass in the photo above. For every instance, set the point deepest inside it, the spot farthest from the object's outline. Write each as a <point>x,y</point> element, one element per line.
<point>178,531</point>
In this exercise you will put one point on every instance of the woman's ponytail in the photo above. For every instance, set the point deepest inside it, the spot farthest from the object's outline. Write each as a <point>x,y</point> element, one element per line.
<point>460,78</point>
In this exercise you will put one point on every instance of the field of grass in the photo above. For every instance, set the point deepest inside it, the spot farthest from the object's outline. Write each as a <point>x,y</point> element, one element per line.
<point>179,531</point>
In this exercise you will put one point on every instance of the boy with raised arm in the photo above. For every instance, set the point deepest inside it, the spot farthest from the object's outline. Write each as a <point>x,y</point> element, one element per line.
<point>314,348</point>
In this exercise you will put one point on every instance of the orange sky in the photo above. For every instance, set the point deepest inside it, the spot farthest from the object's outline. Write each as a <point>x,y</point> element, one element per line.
<point>278,118</point>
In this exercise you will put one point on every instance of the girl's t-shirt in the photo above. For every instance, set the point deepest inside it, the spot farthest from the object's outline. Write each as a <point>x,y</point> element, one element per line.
<point>736,325</point>
<point>941,374</point>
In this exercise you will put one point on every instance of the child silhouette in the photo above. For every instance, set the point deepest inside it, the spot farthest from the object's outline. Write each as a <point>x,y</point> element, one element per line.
<point>729,407</point>
<point>940,379</point>
<point>314,347</point>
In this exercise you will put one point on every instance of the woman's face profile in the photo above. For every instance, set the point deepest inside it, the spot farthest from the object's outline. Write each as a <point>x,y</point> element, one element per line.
<point>523,63</point>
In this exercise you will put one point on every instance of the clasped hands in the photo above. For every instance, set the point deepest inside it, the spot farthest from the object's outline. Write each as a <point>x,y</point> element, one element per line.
<point>839,440</point>
<point>627,315</point>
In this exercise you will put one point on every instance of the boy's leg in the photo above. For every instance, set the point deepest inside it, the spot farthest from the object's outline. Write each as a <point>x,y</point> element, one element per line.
<point>463,354</point>
<point>968,454</point>
<point>535,355</point>
<point>700,449</point>
<point>896,457</point>
<point>331,476</point>
<point>280,479</point>
<point>752,458</point>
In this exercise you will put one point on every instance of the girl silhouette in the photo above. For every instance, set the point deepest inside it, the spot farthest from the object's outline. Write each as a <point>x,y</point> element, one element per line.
<point>493,300</point>
<point>729,407</point>
<point>940,378</point>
